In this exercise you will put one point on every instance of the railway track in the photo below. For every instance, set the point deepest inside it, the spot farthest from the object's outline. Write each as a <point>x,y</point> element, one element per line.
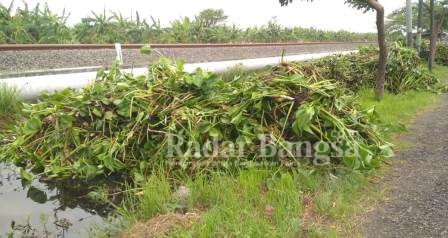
<point>23,60</point>
<point>21,47</point>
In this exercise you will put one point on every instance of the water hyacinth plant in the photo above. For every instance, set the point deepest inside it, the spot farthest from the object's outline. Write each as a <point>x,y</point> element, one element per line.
<point>121,124</point>
<point>356,70</point>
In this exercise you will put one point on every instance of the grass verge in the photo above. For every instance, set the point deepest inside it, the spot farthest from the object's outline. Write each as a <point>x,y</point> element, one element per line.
<point>252,202</point>
<point>397,110</point>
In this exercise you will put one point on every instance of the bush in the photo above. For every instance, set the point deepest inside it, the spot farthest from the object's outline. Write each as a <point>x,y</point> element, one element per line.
<point>441,52</point>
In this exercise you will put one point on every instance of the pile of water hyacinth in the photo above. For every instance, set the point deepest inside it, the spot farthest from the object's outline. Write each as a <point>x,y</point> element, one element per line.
<point>124,124</point>
<point>404,70</point>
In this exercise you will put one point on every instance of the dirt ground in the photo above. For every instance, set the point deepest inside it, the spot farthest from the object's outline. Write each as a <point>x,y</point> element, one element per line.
<point>417,202</point>
<point>159,226</point>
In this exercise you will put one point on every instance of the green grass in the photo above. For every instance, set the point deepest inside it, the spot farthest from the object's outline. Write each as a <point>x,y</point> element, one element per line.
<point>396,111</point>
<point>10,106</point>
<point>398,108</point>
<point>306,202</point>
<point>442,73</point>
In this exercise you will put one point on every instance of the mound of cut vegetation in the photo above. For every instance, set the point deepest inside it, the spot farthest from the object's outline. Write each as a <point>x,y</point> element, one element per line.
<point>404,70</point>
<point>123,124</point>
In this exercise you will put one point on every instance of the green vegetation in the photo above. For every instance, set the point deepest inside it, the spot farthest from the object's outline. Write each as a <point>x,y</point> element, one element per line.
<point>37,25</point>
<point>396,21</point>
<point>395,115</point>
<point>255,202</point>
<point>397,110</point>
<point>442,73</point>
<point>122,124</point>
<point>365,6</point>
<point>40,25</point>
<point>119,126</point>
<point>441,52</point>
<point>278,203</point>
<point>10,105</point>
<point>404,71</point>
<point>396,28</point>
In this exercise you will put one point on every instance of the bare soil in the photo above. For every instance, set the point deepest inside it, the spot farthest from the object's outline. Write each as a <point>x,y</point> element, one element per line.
<point>160,225</point>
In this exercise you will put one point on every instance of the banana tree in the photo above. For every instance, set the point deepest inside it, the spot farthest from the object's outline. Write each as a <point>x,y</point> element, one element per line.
<point>180,30</point>
<point>5,23</point>
<point>95,29</point>
<point>37,25</point>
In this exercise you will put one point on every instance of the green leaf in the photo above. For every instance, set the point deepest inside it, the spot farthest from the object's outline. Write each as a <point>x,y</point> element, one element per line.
<point>33,125</point>
<point>213,132</point>
<point>198,81</point>
<point>117,102</point>
<point>97,112</point>
<point>138,177</point>
<point>180,64</point>
<point>304,117</point>
<point>109,115</point>
<point>65,121</point>
<point>122,85</point>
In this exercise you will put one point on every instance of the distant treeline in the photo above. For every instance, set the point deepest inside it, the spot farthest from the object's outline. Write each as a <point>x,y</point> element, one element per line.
<point>41,25</point>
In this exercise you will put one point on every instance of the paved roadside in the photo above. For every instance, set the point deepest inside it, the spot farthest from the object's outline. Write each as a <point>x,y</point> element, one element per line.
<point>417,203</point>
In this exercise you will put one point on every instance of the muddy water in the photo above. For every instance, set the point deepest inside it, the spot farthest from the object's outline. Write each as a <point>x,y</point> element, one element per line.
<point>39,209</point>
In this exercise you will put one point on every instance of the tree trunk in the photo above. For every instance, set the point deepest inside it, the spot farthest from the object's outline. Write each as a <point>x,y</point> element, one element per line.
<point>409,40</point>
<point>433,45</point>
<point>436,29</point>
<point>381,71</point>
<point>420,26</point>
<point>433,38</point>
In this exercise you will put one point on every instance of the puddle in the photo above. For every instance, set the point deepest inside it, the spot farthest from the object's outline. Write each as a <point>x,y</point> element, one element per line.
<point>40,209</point>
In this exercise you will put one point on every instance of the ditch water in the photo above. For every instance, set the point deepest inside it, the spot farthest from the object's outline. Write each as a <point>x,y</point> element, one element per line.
<point>43,209</point>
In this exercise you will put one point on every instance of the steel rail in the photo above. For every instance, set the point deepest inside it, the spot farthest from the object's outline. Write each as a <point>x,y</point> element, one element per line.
<point>25,47</point>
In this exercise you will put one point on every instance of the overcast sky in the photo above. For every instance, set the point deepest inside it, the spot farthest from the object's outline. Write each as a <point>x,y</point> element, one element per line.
<point>322,14</point>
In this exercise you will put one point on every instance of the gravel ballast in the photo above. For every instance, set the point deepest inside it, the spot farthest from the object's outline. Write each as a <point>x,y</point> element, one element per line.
<point>31,60</point>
